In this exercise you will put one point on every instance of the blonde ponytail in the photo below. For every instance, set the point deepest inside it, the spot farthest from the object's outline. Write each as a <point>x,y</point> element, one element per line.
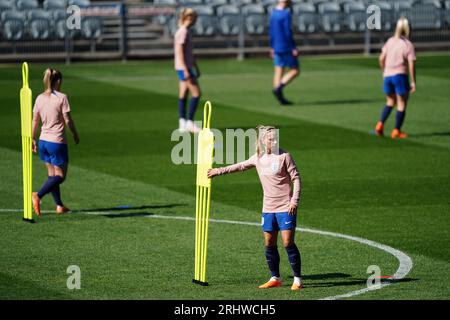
<point>47,80</point>
<point>51,78</point>
<point>184,14</point>
<point>402,29</point>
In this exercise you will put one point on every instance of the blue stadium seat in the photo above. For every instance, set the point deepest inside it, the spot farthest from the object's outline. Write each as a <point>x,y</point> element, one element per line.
<point>54,4</point>
<point>255,19</point>
<point>330,16</point>
<point>206,21</point>
<point>355,16</point>
<point>229,20</point>
<point>426,15</point>
<point>165,2</point>
<point>13,25</point>
<point>39,24</point>
<point>305,18</point>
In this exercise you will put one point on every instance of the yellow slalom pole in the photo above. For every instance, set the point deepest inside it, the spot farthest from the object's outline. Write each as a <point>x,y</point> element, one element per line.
<point>27,163</point>
<point>202,206</point>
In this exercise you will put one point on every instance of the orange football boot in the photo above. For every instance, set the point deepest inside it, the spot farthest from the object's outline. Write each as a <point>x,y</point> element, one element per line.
<point>379,128</point>
<point>296,287</point>
<point>397,134</point>
<point>270,284</point>
<point>61,209</point>
<point>36,204</point>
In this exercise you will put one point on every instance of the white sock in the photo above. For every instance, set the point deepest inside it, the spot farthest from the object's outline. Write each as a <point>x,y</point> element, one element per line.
<point>297,281</point>
<point>182,124</point>
<point>275,279</point>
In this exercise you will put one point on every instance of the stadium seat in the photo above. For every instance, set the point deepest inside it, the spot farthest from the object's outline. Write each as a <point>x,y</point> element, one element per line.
<point>39,24</point>
<point>305,17</point>
<point>91,27</point>
<point>13,25</point>
<point>330,16</point>
<point>255,19</point>
<point>229,20</point>
<point>54,4</point>
<point>190,3</point>
<point>402,9</point>
<point>426,15</point>
<point>216,3</point>
<point>241,2</point>
<point>447,11</point>
<point>26,5</point>
<point>80,3</point>
<point>6,5</point>
<point>355,16</point>
<point>206,21</point>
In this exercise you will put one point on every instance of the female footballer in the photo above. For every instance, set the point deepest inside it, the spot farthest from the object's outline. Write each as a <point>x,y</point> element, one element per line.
<point>52,109</point>
<point>283,49</point>
<point>280,180</point>
<point>184,66</point>
<point>397,59</point>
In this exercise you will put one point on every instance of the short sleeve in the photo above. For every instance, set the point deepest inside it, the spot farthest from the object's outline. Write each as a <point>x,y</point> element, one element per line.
<point>37,105</point>
<point>65,108</point>
<point>410,52</point>
<point>181,36</point>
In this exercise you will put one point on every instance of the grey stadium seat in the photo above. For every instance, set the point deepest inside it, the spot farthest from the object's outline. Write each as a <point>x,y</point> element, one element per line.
<point>13,25</point>
<point>91,27</point>
<point>426,15</point>
<point>206,21</point>
<point>54,4</point>
<point>447,11</point>
<point>39,24</point>
<point>402,9</point>
<point>330,16</point>
<point>255,19</point>
<point>355,16</point>
<point>189,3</point>
<point>229,20</point>
<point>241,2</point>
<point>59,27</point>
<point>6,5</point>
<point>305,17</point>
<point>26,5</point>
<point>80,3</point>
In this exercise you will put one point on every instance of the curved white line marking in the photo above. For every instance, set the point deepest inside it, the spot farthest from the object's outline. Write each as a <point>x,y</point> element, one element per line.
<point>405,262</point>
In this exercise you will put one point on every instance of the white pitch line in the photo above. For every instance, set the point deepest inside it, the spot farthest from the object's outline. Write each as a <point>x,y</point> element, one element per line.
<point>405,262</point>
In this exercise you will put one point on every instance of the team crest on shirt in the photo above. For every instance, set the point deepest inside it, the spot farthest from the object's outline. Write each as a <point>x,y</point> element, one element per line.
<point>275,166</point>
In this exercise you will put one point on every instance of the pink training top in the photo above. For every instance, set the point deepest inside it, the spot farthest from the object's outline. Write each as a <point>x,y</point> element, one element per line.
<point>399,51</point>
<point>50,109</point>
<point>184,37</point>
<point>277,173</point>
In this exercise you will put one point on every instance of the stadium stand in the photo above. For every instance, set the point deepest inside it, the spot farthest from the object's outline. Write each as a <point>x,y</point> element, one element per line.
<point>54,4</point>
<point>355,16</point>
<point>39,24</point>
<point>330,16</point>
<point>229,20</point>
<point>255,19</point>
<point>426,15</point>
<point>305,18</point>
<point>206,21</point>
<point>13,25</point>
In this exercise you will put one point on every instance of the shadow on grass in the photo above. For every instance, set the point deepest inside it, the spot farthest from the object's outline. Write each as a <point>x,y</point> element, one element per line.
<point>334,102</point>
<point>127,208</point>
<point>353,282</point>
<point>431,134</point>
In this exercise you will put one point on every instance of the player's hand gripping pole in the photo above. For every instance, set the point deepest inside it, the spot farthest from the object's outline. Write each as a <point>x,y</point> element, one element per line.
<point>202,206</point>
<point>25,115</point>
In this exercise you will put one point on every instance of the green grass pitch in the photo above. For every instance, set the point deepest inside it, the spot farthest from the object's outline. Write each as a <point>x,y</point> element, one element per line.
<point>396,193</point>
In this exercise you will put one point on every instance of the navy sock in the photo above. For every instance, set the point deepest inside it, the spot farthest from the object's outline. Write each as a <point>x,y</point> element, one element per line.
<point>49,185</point>
<point>182,107</point>
<point>273,260</point>
<point>294,259</point>
<point>279,89</point>
<point>399,118</point>
<point>56,194</point>
<point>193,106</point>
<point>385,113</point>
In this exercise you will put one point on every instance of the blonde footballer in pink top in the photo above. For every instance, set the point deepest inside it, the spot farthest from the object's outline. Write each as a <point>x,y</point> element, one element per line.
<point>397,60</point>
<point>280,180</point>
<point>53,110</point>
<point>184,66</point>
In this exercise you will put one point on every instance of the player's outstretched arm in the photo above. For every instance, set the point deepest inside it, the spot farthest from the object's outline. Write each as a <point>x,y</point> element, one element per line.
<point>238,167</point>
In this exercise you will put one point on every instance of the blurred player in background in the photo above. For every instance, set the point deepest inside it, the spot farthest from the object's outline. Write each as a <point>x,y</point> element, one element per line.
<point>52,109</point>
<point>397,59</point>
<point>280,180</point>
<point>187,70</point>
<point>283,49</point>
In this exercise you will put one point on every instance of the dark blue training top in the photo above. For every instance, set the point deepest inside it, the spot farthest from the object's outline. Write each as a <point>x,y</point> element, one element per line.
<point>281,38</point>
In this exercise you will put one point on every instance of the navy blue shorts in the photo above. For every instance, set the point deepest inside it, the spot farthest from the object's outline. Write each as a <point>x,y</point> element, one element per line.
<point>278,221</point>
<point>285,59</point>
<point>398,84</point>
<point>180,74</point>
<point>54,153</point>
